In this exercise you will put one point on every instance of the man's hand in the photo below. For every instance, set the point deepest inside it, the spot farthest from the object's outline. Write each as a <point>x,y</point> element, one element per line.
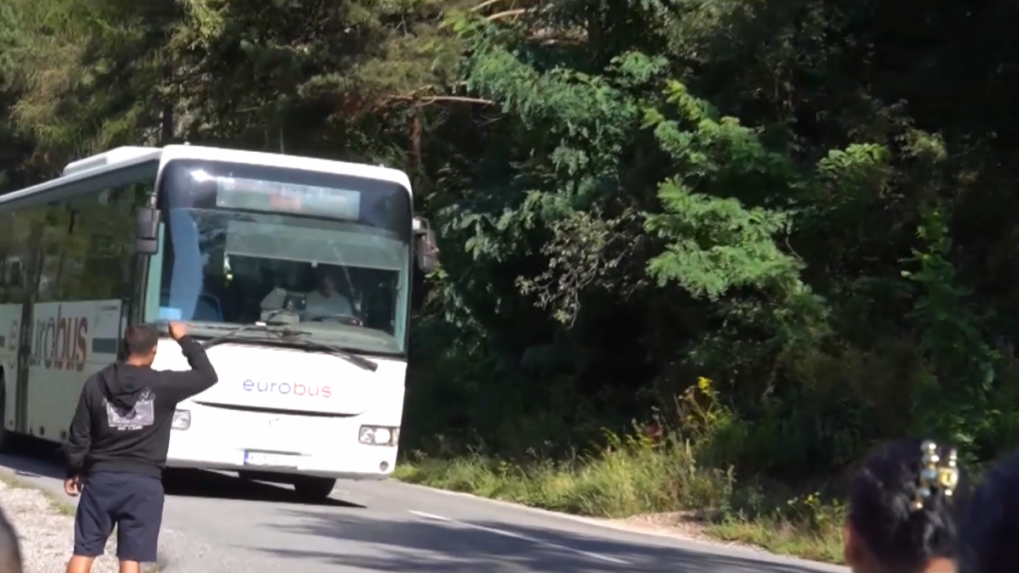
<point>72,486</point>
<point>177,330</point>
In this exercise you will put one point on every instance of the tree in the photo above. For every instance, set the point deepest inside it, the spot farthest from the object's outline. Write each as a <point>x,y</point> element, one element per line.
<point>799,200</point>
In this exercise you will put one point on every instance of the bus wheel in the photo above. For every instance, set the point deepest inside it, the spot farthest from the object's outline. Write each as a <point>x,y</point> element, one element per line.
<point>314,488</point>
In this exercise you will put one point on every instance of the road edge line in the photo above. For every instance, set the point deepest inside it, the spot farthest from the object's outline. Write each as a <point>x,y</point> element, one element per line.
<point>713,545</point>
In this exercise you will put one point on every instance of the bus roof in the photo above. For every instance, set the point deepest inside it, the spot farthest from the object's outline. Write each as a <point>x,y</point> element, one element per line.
<point>129,156</point>
<point>365,170</point>
<point>120,155</point>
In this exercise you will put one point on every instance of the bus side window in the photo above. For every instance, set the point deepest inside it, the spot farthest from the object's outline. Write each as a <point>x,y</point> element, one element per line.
<point>7,246</point>
<point>15,274</point>
<point>52,254</point>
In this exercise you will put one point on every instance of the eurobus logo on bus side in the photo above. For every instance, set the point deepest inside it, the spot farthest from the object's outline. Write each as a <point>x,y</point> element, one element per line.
<point>60,342</point>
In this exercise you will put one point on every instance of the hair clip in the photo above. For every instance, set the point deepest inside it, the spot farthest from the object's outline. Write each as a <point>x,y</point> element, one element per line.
<point>935,475</point>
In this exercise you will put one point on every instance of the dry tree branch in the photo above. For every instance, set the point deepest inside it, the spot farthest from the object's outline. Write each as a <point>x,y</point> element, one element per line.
<point>426,100</point>
<point>420,98</point>
<point>506,14</point>
<point>485,4</point>
<point>460,99</point>
<point>423,100</point>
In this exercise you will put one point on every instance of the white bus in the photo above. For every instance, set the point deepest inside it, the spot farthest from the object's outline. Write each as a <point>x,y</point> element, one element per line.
<point>244,247</point>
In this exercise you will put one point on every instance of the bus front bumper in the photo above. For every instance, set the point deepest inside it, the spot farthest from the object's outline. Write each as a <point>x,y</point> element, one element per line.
<point>353,462</point>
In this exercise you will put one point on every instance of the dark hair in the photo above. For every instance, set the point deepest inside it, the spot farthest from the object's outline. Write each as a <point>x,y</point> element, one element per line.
<point>330,272</point>
<point>884,514</point>
<point>990,529</point>
<point>140,339</point>
<point>10,547</point>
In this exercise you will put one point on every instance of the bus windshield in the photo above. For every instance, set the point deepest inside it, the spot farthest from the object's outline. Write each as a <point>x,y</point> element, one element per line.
<point>246,243</point>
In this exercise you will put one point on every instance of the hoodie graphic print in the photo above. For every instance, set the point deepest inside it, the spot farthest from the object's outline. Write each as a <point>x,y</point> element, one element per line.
<point>139,416</point>
<point>129,405</point>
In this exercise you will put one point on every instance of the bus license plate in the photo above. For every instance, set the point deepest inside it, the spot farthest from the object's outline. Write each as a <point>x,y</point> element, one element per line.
<point>272,460</point>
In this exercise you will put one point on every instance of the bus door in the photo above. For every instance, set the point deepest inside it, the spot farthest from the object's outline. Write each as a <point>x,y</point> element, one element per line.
<point>12,283</point>
<point>25,342</point>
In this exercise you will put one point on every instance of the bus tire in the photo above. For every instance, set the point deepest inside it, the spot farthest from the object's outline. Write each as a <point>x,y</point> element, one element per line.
<point>314,488</point>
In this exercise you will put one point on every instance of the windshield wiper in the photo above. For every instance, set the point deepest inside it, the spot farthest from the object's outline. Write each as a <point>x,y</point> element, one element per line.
<point>297,337</point>
<point>290,336</point>
<point>274,330</point>
<point>260,326</point>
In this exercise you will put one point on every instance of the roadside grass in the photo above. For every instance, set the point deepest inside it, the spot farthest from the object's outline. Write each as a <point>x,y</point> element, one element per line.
<point>634,477</point>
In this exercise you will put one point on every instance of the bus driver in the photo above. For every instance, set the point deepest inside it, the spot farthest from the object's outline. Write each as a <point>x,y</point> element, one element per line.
<point>326,301</point>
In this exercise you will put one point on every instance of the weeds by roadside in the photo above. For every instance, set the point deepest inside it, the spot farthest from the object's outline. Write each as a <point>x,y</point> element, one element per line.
<point>636,475</point>
<point>634,480</point>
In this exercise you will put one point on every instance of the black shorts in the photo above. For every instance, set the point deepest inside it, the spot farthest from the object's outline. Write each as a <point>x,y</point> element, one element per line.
<point>131,502</point>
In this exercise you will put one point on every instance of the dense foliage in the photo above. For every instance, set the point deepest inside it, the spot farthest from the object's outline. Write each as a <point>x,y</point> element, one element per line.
<point>808,203</point>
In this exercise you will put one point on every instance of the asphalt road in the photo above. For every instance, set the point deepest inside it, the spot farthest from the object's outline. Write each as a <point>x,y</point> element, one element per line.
<point>219,523</point>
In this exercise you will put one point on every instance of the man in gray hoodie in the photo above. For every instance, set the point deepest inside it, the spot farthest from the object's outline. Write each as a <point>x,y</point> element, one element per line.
<point>117,446</point>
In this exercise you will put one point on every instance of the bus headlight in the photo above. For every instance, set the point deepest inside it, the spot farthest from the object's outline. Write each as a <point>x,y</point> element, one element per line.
<point>378,435</point>
<point>181,419</point>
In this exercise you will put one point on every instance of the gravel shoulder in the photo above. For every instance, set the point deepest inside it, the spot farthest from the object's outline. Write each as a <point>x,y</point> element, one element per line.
<point>678,524</point>
<point>45,529</point>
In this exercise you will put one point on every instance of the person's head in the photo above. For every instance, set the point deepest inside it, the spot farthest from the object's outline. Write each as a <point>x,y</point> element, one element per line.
<point>10,548</point>
<point>902,509</point>
<point>990,528</point>
<point>326,281</point>
<point>140,342</point>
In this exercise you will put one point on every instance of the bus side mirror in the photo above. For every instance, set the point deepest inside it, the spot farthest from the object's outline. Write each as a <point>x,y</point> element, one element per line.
<point>426,250</point>
<point>147,231</point>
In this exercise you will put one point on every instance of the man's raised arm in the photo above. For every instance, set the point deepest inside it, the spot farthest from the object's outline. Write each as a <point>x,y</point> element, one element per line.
<point>201,377</point>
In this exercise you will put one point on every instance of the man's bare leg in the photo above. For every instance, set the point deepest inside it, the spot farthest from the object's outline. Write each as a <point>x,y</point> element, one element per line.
<point>130,567</point>
<point>80,564</point>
